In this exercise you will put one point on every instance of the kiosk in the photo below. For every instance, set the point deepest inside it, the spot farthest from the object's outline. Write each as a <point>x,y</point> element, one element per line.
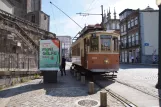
<point>49,59</point>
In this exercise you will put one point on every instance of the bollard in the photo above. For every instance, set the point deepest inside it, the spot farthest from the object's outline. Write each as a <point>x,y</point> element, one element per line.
<point>103,99</point>
<point>83,80</point>
<point>91,88</point>
<point>78,76</point>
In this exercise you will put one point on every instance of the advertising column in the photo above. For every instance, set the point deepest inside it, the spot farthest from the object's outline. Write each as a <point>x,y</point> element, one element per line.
<point>49,59</point>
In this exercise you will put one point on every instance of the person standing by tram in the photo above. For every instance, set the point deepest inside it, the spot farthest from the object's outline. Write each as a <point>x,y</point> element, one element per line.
<point>63,64</point>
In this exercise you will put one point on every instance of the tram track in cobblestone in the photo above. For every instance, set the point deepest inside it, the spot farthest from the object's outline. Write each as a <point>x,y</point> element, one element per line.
<point>121,99</point>
<point>137,89</point>
<point>120,82</point>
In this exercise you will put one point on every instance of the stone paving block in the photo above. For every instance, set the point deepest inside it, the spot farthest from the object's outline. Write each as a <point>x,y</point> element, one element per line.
<point>66,93</point>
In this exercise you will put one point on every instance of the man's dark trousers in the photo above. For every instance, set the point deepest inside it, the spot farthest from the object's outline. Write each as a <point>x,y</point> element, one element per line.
<point>63,69</point>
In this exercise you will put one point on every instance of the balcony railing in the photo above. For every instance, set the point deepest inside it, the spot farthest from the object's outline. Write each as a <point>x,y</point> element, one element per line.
<point>133,43</point>
<point>129,44</point>
<point>137,42</point>
<point>123,45</point>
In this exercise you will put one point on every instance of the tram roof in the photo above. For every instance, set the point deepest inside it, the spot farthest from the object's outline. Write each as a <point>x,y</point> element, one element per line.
<point>87,29</point>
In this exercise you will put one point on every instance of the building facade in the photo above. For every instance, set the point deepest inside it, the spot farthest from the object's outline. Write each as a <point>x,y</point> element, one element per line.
<point>28,10</point>
<point>66,45</point>
<point>19,38</point>
<point>139,36</point>
<point>6,6</point>
<point>111,23</point>
<point>39,18</point>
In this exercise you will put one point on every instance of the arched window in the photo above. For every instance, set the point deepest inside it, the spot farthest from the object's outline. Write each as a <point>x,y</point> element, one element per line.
<point>33,18</point>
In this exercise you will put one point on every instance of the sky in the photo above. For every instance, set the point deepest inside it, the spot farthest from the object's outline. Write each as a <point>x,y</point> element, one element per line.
<point>60,24</point>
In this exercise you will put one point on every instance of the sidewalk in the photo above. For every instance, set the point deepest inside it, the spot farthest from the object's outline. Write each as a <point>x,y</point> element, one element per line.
<point>67,92</point>
<point>140,64</point>
<point>133,95</point>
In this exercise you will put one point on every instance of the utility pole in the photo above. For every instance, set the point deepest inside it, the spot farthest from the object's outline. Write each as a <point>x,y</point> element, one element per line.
<point>85,14</point>
<point>102,16</point>
<point>158,85</point>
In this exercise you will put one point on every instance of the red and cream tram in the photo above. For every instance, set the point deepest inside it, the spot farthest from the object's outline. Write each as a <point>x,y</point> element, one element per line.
<point>96,50</point>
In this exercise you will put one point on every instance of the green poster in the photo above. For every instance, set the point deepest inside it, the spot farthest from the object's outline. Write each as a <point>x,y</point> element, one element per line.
<point>49,55</point>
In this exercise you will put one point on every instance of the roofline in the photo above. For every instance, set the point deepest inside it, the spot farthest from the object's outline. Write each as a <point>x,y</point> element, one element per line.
<point>125,11</point>
<point>149,10</point>
<point>38,11</point>
<point>10,3</point>
<point>45,13</point>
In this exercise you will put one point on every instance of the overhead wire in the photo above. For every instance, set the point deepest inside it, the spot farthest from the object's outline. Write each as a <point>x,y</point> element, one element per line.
<point>66,14</point>
<point>90,5</point>
<point>89,8</point>
<point>54,19</point>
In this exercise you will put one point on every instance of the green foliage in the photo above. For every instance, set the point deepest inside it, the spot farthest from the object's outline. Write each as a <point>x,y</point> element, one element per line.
<point>36,76</point>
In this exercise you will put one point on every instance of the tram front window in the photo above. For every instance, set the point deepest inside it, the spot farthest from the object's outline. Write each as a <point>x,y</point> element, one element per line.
<point>94,44</point>
<point>105,42</point>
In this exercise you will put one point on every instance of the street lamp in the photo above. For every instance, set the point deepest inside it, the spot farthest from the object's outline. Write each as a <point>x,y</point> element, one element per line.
<point>158,85</point>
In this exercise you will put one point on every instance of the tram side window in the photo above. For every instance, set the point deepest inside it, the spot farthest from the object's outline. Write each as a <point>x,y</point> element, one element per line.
<point>94,44</point>
<point>105,42</point>
<point>74,51</point>
<point>78,50</point>
<point>115,43</point>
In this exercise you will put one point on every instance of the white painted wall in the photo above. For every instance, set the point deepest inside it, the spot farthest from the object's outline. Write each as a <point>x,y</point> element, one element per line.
<point>5,6</point>
<point>149,32</point>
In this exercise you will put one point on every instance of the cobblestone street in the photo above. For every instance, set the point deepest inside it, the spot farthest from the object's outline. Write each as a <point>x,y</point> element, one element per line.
<point>66,93</point>
<point>141,77</point>
<point>135,83</point>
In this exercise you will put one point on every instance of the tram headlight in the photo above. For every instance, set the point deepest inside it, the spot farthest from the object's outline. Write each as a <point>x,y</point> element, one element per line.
<point>106,61</point>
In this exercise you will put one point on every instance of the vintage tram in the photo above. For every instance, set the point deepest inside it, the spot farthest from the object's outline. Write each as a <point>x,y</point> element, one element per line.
<point>96,51</point>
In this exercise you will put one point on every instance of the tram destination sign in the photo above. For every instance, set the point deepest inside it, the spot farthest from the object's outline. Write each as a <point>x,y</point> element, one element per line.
<point>106,36</point>
<point>49,55</point>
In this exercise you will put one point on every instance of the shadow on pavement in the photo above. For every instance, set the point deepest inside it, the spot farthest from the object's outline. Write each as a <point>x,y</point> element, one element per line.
<point>104,80</point>
<point>130,66</point>
<point>67,86</point>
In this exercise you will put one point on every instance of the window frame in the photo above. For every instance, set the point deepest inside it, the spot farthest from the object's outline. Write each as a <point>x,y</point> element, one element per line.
<point>133,39</point>
<point>132,22</point>
<point>137,38</point>
<point>136,20</point>
<point>110,39</point>
<point>124,28</point>
<point>129,40</point>
<point>33,18</point>
<point>129,24</point>
<point>97,50</point>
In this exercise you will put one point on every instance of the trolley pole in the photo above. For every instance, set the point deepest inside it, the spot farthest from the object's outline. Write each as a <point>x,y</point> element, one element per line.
<point>102,16</point>
<point>85,14</point>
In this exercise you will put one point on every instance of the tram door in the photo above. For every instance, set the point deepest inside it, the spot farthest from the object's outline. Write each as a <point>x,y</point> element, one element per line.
<point>85,53</point>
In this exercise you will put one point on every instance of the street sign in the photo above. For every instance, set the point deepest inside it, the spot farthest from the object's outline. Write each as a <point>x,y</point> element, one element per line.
<point>146,44</point>
<point>49,55</point>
